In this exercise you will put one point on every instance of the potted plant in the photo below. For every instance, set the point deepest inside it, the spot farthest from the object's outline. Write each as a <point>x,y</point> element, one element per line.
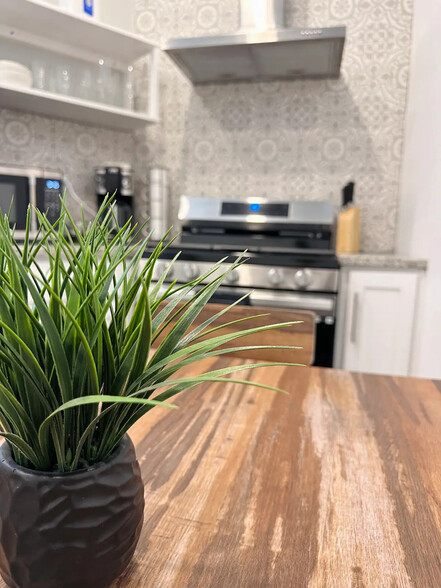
<point>78,366</point>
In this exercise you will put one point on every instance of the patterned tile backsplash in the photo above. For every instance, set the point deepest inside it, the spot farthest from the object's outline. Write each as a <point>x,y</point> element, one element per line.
<point>291,140</point>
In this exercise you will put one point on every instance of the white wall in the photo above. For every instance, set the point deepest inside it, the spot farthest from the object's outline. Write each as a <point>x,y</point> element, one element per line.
<point>419,230</point>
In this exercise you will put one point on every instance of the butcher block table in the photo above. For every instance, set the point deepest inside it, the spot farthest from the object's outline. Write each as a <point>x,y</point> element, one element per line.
<point>336,484</point>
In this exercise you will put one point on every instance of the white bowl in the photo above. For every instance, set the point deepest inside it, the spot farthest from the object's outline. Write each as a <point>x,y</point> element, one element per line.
<point>13,66</point>
<point>16,79</point>
<point>13,73</point>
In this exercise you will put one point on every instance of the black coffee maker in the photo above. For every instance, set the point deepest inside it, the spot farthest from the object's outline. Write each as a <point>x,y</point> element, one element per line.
<point>116,179</point>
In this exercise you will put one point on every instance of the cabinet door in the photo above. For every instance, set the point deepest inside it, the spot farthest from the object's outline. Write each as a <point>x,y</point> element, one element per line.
<point>379,321</point>
<point>45,266</point>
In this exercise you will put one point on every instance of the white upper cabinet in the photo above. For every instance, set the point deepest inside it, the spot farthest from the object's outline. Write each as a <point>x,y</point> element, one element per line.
<point>378,319</point>
<point>91,54</point>
<point>39,23</point>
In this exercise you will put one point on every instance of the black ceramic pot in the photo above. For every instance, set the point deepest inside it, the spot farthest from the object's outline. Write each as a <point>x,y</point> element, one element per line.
<point>75,530</point>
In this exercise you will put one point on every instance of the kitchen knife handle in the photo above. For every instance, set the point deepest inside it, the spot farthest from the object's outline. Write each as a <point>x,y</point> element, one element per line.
<point>354,318</point>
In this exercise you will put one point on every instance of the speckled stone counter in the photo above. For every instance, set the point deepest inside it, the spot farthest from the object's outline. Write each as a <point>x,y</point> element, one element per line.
<point>379,261</point>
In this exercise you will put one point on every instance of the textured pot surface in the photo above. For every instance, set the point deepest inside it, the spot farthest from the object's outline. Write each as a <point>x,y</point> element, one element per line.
<point>69,531</point>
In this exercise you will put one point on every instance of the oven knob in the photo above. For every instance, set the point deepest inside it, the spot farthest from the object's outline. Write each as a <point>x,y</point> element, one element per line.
<point>232,277</point>
<point>191,271</point>
<point>303,278</point>
<point>276,276</point>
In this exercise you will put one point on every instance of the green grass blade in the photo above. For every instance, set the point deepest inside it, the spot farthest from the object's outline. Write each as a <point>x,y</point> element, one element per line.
<point>53,337</point>
<point>25,449</point>
<point>97,399</point>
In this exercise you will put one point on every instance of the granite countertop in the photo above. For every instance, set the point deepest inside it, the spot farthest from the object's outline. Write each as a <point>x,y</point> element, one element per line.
<point>382,261</point>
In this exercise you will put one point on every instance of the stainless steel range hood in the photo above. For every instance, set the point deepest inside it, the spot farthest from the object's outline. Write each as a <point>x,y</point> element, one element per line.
<point>262,50</point>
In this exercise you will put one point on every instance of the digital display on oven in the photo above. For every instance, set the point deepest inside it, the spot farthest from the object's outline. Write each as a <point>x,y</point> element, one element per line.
<point>7,193</point>
<point>245,208</point>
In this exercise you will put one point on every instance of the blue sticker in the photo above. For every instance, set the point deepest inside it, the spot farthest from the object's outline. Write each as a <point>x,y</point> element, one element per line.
<point>88,7</point>
<point>255,207</point>
<point>52,184</point>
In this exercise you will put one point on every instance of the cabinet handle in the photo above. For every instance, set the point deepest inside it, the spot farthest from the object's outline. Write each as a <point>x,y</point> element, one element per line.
<point>354,317</point>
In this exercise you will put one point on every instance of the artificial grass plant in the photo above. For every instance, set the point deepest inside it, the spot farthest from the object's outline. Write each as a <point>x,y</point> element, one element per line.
<point>76,361</point>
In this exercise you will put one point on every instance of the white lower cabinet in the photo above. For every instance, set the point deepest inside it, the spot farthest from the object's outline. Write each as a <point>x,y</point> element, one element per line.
<point>45,266</point>
<point>378,319</point>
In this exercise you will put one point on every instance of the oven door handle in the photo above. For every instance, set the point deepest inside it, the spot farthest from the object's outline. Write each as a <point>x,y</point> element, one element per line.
<point>313,303</point>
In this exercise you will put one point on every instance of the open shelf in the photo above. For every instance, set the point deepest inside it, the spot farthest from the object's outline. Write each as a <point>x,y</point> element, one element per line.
<point>51,27</point>
<point>68,107</point>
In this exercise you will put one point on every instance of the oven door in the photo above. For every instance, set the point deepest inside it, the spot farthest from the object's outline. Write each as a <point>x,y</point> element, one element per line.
<point>323,306</point>
<point>15,197</point>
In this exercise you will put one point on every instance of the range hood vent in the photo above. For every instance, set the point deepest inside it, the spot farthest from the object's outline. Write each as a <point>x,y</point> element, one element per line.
<point>262,50</point>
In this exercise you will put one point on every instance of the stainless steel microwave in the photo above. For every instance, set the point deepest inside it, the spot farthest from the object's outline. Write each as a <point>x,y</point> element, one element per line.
<point>21,187</point>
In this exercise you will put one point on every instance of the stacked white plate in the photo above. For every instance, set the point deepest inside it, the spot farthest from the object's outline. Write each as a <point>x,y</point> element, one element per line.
<point>15,74</point>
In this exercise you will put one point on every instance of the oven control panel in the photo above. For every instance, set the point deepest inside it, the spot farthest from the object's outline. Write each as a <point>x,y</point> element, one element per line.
<point>255,210</point>
<point>255,276</point>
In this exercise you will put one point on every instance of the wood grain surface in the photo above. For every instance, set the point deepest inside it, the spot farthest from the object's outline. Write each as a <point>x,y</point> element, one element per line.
<point>336,484</point>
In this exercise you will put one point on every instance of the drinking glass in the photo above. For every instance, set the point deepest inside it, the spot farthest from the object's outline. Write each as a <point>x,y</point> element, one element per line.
<point>63,79</point>
<point>86,84</point>
<point>39,75</point>
<point>129,89</point>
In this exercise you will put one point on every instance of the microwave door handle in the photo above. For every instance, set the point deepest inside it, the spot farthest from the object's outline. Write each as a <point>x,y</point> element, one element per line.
<point>33,201</point>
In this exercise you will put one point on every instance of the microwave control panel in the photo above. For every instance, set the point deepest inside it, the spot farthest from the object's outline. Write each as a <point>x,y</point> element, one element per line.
<point>49,191</point>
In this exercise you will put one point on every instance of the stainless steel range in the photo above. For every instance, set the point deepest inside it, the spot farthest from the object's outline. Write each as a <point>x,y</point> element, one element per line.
<point>290,250</point>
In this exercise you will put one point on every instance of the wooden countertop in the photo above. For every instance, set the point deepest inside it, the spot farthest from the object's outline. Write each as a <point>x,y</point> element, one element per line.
<point>336,485</point>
